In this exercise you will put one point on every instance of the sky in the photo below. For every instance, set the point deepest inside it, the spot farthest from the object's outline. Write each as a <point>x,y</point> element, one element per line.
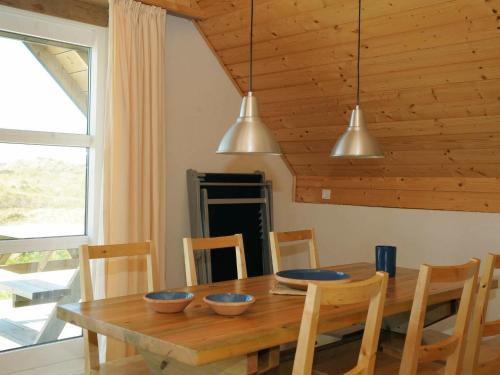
<point>30,99</point>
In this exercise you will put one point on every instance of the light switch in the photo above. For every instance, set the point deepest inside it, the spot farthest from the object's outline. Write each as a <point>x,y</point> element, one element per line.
<point>326,194</point>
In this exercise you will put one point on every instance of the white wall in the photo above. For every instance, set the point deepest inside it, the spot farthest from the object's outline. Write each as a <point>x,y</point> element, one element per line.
<point>349,234</point>
<point>202,103</point>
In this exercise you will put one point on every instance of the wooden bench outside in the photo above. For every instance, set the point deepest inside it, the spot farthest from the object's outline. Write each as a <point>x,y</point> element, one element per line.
<point>33,291</point>
<point>27,292</point>
<point>52,328</point>
<point>17,332</point>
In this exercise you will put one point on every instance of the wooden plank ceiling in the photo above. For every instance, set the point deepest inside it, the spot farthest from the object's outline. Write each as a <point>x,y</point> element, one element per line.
<point>430,93</point>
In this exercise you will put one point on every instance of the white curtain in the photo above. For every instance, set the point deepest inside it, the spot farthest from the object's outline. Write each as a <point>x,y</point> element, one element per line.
<point>134,156</point>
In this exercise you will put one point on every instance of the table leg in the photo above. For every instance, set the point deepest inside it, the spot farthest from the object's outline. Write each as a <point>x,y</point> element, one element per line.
<point>159,365</point>
<point>268,359</point>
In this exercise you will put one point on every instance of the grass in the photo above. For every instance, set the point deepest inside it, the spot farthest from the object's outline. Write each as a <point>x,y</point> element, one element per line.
<point>36,256</point>
<point>42,190</point>
<point>5,295</point>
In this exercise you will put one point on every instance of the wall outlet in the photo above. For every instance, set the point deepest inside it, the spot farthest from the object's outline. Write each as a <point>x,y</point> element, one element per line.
<point>326,194</point>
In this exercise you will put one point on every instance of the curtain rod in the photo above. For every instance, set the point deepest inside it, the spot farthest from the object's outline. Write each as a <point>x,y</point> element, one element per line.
<point>176,9</point>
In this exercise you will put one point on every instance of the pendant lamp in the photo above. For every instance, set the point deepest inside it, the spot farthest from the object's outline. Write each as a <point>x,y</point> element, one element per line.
<point>357,142</point>
<point>249,134</point>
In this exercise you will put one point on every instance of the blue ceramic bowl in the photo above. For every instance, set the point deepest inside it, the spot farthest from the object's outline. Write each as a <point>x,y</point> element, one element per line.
<point>229,303</point>
<point>313,274</point>
<point>299,278</point>
<point>168,302</point>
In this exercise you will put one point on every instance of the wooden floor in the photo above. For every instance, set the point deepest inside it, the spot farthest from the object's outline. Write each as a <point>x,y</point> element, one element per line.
<point>339,358</point>
<point>334,359</point>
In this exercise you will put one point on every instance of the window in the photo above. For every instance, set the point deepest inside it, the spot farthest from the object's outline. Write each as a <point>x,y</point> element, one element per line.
<point>49,170</point>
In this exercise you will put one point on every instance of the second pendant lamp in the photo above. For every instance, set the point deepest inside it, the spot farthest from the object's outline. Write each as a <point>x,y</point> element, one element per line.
<point>249,134</point>
<point>357,142</point>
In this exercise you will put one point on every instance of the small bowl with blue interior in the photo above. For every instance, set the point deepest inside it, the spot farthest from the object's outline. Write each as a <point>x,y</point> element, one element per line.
<point>168,302</point>
<point>229,304</point>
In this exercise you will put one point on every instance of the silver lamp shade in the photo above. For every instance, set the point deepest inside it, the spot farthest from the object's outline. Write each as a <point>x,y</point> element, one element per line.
<point>249,134</point>
<point>357,142</point>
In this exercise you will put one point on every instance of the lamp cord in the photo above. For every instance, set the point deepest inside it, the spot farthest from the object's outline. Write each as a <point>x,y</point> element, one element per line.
<point>359,51</point>
<point>250,80</point>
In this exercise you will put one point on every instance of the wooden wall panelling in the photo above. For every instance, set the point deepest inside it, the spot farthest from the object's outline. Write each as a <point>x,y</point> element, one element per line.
<point>335,14</point>
<point>441,184</point>
<point>345,80</point>
<point>417,28</point>
<point>402,158</point>
<point>417,143</point>
<point>462,194</point>
<point>405,60</point>
<point>466,93</point>
<point>310,127</point>
<point>385,112</point>
<point>416,170</point>
<point>430,94</point>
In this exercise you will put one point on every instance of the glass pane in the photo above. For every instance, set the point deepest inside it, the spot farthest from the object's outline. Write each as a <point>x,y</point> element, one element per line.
<point>44,85</point>
<point>42,191</point>
<point>27,318</point>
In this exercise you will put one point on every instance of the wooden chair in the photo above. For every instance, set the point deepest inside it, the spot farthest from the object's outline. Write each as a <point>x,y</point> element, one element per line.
<point>482,358</point>
<point>372,290</point>
<point>299,235</point>
<point>124,366</point>
<point>452,347</point>
<point>194,244</point>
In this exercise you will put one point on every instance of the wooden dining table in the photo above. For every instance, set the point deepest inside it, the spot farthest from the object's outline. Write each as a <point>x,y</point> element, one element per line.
<point>197,341</point>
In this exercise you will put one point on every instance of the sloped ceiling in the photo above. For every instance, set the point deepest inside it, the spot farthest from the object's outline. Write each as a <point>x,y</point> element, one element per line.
<point>430,93</point>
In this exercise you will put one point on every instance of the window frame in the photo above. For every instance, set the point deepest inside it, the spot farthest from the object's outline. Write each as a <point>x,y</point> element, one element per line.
<point>95,37</point>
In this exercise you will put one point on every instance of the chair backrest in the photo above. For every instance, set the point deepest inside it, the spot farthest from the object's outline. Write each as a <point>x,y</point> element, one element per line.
<point>372,290</point>
<point>89,252</point>
<point>479,326</point>
<point>452,348</point>
<point>299,235</point>
<point>194,244</point>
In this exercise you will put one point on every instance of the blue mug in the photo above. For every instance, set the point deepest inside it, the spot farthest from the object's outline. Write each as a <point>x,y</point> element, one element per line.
<point>385,259</point>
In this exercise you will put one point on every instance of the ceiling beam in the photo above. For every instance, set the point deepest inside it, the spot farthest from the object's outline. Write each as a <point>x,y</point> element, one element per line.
<point>176,9</point>
<point>75,10</point>
<point>94,14</point>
